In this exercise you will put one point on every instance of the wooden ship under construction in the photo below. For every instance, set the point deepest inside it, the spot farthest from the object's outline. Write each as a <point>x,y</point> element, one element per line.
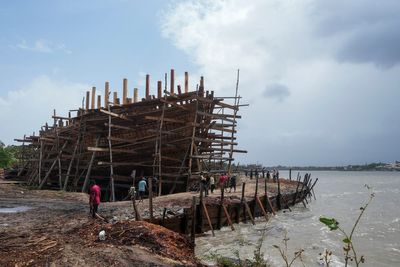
<point>174,135</point>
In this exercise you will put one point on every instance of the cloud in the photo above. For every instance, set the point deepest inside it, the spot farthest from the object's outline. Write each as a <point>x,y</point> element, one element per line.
<point>339,59</point>
<point>42,46</point>
<point>276,91</point>
<point>364,30</point>
<point>23,111</point>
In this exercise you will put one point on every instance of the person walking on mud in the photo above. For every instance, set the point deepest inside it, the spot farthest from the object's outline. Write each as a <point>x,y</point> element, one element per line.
<point>142,189</point>
<point>94,199</point>
<point>232,183</point>
<point>212,183</point>
<point>203,184</point>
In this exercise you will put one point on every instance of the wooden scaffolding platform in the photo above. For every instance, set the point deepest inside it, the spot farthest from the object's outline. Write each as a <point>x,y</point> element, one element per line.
<point>174,135</point>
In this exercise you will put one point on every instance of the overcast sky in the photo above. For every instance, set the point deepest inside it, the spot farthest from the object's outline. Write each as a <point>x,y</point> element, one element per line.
<point>322,77</point>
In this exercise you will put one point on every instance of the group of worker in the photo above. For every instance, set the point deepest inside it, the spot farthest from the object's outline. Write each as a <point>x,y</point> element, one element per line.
<point>274,174</point>
<point>95,193</point>
<point>208,182</point>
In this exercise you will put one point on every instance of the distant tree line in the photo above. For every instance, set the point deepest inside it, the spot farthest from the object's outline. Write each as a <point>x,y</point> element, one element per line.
<point>9,155</point>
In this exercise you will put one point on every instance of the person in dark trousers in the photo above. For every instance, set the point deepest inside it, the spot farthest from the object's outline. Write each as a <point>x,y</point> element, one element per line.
<point>203,183</point>
<point>154,186</point>
<point>268,175</point>
<point>232,183</point>
<point>94,199</point>
<point>212,183</point>
<point>263,172</point>
<point>142,188</point>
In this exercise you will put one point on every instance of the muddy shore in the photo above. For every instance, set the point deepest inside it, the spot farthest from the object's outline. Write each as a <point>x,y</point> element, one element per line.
<point>53,228</point>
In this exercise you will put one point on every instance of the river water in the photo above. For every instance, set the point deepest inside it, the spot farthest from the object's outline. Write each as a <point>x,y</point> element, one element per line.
<point>339,195</point>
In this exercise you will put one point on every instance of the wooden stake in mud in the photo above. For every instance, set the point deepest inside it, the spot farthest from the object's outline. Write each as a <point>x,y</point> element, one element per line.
<point>279,196</point>
<point>255,196</point>
<point>247,208</point>
<point>241,202</point>
<point>228,217</point>
<point>132,192</point>
<point>220,208</point>
<point>208,218</point>
<point>258,201</point>
<point>193,229</point>
<point>290,174</point>
<point>151,199</point>
<point>199,211</point>
<point>297,191</point>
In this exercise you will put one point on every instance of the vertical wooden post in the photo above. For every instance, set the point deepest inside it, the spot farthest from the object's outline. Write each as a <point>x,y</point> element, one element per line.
<point>98,101</point>
<point>241,202</point>
<point>220,208</point>
<point>201,87</point>
<point>279,196</point>
<point>159,89</point>
<point>87,100</point>
<point>147,86</point>
<point>135,95</point>
<point>208,218</point>
<point>290,174</point>
<point>106,93</point>
<point>179,90</point>
<point>93,97</point>
<point>151,198</point>
<point>124,91</point>
<point>89,170</point>
<point>199,211</point>
<point>186,82</point>
<point>193,229</point>
<point>115,98</point>
<point>172,78</point>
<point>255,196</point>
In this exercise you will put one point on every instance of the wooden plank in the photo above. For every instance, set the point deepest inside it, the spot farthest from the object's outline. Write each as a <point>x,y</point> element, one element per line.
<point>208,218</point>
<point>228,217</point>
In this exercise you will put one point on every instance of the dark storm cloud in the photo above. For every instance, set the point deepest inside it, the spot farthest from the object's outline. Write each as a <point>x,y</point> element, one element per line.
<point>276,91</point>
<point>367,29</point>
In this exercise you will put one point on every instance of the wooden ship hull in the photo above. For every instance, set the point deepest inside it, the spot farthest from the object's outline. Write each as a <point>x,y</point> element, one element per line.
<point>173,136</point>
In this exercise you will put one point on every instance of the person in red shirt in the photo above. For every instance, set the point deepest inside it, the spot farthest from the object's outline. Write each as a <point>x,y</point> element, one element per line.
<point>94,200</point>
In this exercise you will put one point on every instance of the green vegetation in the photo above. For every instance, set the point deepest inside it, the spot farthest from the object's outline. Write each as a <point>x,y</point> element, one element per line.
<point>9,155</point>
<point>350,252</point>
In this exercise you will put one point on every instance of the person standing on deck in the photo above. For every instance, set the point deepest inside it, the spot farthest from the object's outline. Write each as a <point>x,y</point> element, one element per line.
<point>274,176</point>
<point>212,183</point>
<point>268,175</point>
<point>154,185</point>
<point>203,184</point>
<point>232,183</point>
<point>142,188</point>
<point>94,199</point>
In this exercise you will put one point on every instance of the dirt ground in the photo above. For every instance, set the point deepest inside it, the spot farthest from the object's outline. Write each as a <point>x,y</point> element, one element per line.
<point>54,229</point>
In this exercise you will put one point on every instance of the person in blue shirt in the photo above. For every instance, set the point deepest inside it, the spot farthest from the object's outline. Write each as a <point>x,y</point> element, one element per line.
<point>142,188</point>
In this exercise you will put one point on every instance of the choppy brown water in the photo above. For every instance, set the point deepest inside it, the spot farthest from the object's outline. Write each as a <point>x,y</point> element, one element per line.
<point>339,195</point>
